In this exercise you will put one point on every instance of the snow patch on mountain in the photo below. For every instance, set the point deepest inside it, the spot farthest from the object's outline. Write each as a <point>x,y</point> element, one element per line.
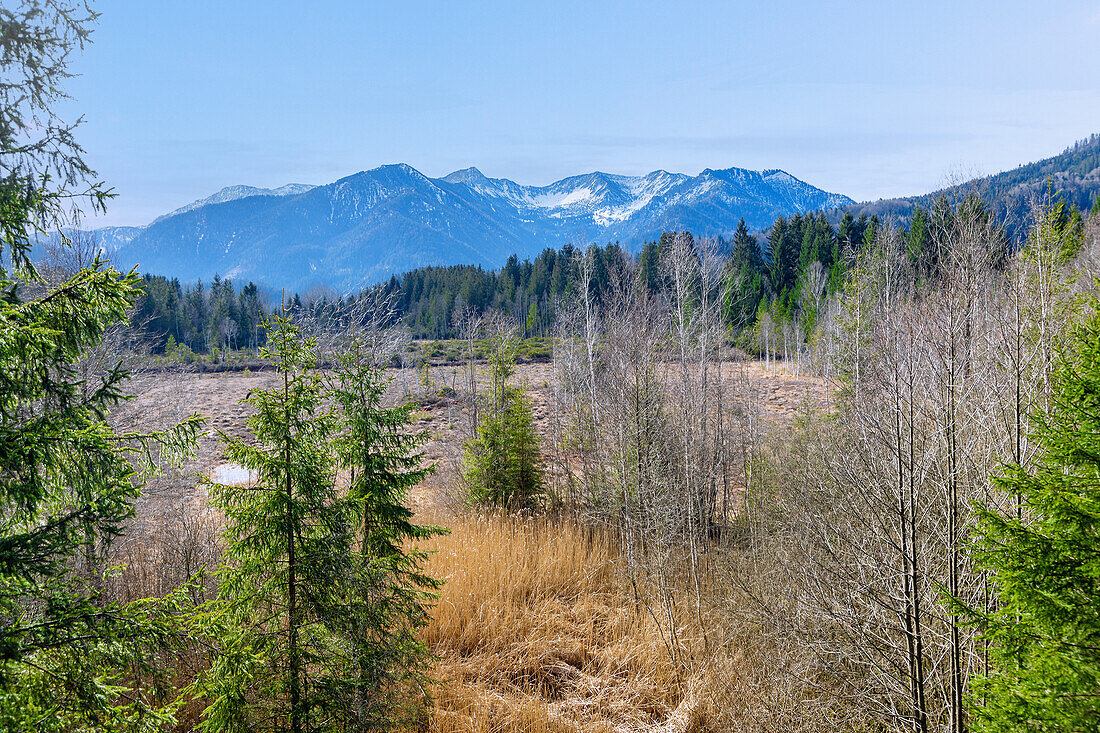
<point>389,219</point>
<point>232,193</point>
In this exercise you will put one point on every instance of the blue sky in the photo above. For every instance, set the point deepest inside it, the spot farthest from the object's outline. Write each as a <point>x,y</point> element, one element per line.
<point>870,99</point>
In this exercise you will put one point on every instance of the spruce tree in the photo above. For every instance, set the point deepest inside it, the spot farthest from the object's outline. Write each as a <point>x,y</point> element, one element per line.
<point>502,465</point>
<point>388,595</point>
<point>784,241</point>
<point>288,539</point>
<point>745,280</point>
<point>70,658</point>
<point>1045,565</point>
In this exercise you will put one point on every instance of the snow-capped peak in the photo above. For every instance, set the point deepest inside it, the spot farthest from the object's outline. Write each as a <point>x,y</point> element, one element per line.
<point>232,193</point>
<point>466,175</point>
<point>608,199</point>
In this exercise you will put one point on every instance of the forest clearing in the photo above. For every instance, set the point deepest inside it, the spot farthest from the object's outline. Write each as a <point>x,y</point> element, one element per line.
<point>534,630</point>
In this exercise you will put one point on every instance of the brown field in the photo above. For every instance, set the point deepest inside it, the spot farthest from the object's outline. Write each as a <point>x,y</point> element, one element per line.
<point>164,398</point>
<point>534,630</point>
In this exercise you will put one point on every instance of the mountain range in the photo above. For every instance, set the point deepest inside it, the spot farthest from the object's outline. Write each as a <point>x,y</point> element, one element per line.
<point>369,225</point>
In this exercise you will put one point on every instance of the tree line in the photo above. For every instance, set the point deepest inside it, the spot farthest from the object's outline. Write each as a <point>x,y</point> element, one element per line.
<point>773,286</point>
<point>530,292</point>
<point>200,318</point>
<point>220,316</point>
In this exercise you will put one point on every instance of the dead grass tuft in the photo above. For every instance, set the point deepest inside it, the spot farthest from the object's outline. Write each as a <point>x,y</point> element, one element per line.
<point>534,634</point>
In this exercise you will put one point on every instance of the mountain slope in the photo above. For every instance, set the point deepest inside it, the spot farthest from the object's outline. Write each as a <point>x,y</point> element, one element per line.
<point>232,193</point>
<point>364,227</point>
<point>1074,174</point>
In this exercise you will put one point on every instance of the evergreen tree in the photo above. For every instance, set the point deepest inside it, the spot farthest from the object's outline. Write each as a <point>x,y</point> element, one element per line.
<point>846,230</point>
<point>649,268</point>
<point>1045,565</point>
<point>223,320</point>
<point>195,313</point>
<point>564,270</point>
<point>808,251</point>
<point>70,659</point>
<point>218,318</point>
<point>288,543</point>
<point>385,667</point>
<point>784,243</point>
<point>68,483</point>
<point>746,250</point>
<point>502,465</point>
<point>1067,224</point>
<point>918,242</point>
<point>745,280</point>
<point>252,312</point>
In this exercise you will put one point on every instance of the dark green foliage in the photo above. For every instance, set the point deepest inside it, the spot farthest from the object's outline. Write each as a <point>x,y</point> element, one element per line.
<point>428,297</point>
<point>746,280</point>
<point>502,465</point>
<point>68,483</point>
<point>320,598</point>
<point>818,242</point>
<point>529,292</point>
<point>784,243</point>
<point>200,319</point>
<point>933,232</point>
<point>918,240</point>
<point>850,238</point>
<point>70,659</point>
<point>649,267</point>
<point>795,244</point>
<point>288,543</point>
<point>1045,565</point>
<point>385,666</point>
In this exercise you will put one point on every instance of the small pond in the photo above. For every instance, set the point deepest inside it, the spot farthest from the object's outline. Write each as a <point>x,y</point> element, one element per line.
<point>233,474</point>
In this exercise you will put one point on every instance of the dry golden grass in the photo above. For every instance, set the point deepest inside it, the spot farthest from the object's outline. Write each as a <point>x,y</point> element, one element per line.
<point>534,634</point>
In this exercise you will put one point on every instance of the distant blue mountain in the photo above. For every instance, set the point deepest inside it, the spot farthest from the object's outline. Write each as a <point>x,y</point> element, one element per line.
<point>367,226</point>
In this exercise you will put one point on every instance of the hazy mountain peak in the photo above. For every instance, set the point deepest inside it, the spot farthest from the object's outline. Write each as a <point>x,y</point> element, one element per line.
<point>232,193</point>
<point>397,168</point>
<point>466,175</point>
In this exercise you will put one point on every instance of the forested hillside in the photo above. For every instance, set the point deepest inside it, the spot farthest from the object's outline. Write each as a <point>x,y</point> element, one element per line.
<point>1074,175</point>
<point>801,253</point>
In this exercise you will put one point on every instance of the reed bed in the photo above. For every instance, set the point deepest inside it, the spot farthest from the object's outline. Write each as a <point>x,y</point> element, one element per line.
<point>534,633</point>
